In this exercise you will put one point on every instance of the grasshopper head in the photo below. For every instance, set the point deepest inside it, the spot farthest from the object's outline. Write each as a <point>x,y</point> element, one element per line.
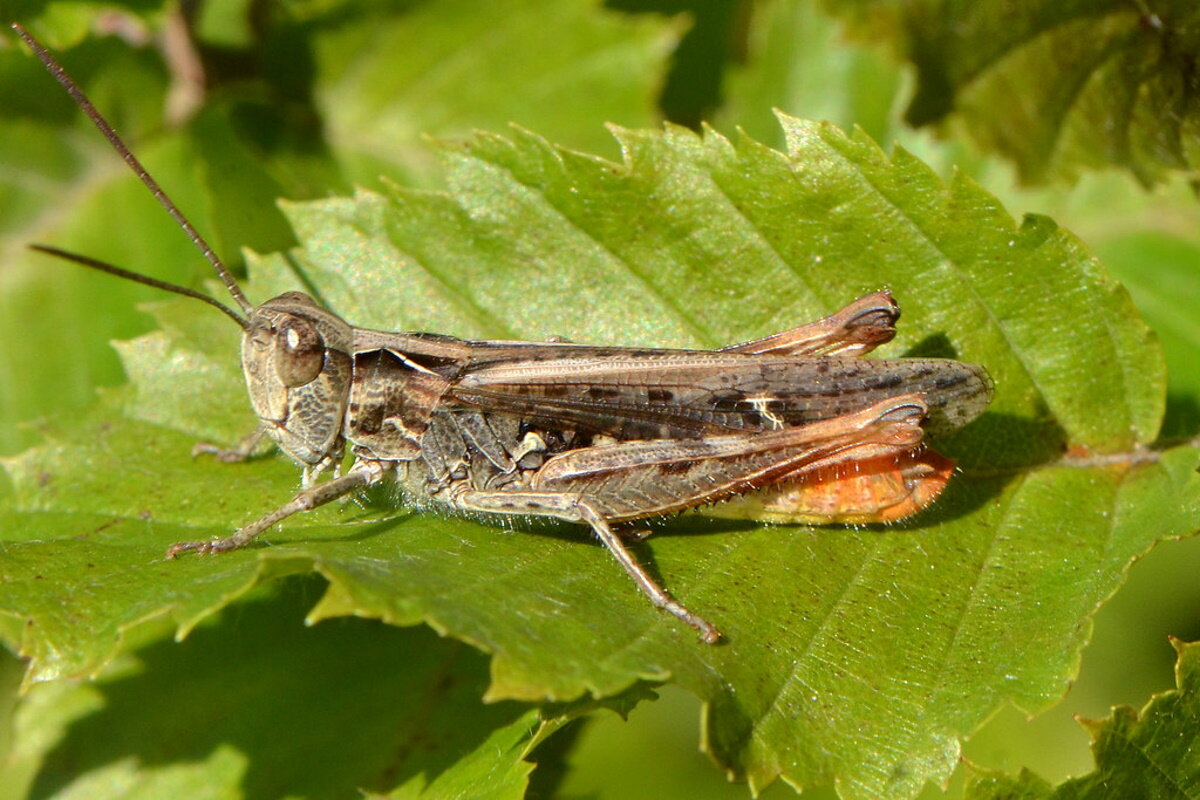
<point>296,359</point>
<point>295,354</point>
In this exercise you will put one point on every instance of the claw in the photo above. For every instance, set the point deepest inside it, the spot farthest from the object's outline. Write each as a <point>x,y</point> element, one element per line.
<point>200,548</point>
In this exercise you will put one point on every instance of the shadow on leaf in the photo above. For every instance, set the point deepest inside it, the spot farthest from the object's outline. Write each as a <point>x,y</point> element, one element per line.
<point>1182,418</point>
<point>315,711</point>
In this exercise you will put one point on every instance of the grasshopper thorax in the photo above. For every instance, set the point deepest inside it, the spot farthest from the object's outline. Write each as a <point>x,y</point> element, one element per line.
<point>297,363</point>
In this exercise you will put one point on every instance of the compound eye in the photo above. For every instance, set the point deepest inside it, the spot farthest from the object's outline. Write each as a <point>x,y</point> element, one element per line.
<point>300,354</point>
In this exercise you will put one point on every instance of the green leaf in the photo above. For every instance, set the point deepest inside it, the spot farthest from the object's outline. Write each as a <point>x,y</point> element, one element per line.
<point>1159,268</point>
<point>450,67</point>
<point>1057,87</point>
<point>1151,754</point>
<point>797,61</point>
<point>852,655</point>
<point>254,704</point>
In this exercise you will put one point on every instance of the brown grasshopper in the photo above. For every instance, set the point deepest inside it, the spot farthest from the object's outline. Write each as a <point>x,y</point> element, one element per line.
<point>797,426</point>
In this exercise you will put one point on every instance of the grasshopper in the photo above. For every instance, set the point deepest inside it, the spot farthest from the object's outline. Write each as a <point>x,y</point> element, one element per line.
<point>796,426</point>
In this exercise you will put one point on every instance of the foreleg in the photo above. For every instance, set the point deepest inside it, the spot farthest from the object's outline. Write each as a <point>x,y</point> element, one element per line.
<point>308,499</point>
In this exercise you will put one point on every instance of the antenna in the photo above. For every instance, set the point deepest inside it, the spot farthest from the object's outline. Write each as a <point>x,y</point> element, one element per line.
<point>104,266</point>
<point>235,291</point>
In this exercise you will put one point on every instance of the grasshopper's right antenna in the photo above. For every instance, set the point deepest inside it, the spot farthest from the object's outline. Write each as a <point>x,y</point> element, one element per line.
<point>73,89</point>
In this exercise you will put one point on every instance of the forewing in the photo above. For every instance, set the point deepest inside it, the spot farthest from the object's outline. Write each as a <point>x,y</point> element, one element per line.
<point>653,394</point>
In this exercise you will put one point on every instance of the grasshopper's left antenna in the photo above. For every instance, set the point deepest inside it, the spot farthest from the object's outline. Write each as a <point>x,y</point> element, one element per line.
<point>137,277</point>
<point>73,89</point>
